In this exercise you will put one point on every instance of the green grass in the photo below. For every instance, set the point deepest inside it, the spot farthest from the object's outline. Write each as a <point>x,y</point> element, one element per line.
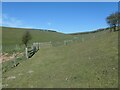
<point>13,36</point>
<point>92,63</point>
<point>8,65</point>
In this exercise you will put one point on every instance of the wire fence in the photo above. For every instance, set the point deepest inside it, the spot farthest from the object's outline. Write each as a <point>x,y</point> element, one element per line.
<point>32,49</point>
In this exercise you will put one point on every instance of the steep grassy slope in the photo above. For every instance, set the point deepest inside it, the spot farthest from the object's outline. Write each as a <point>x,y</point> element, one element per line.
<point>0,39</point>
<point>13,36</point>
<point>89,63</point>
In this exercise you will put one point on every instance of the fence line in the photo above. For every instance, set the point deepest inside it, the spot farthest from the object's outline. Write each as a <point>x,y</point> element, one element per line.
<point>35,46</point>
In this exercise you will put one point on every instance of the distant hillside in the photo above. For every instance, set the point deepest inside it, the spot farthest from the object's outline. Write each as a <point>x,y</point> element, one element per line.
<point>88,32</point>
<point>29,29</point>
<point>13,36</point>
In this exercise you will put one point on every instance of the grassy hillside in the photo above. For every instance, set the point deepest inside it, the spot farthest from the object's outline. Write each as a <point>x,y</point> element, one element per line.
<point>90,62</point>
<point>13,36</point>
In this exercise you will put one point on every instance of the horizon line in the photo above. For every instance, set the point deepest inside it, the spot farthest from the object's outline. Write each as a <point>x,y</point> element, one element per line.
<point>53,29</point>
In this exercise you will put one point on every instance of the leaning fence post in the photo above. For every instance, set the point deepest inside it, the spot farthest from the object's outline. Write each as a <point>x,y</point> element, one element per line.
<point>50,43</point>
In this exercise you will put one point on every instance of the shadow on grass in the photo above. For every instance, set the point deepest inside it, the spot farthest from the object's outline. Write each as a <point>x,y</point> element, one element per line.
<point>31,53</point>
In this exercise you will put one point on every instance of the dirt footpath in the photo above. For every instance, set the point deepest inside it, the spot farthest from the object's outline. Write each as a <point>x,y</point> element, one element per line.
<point>6,57</point>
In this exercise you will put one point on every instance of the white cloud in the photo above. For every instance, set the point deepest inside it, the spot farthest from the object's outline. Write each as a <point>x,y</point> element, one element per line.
<point>0,20</point>
<point>28,27</point>
<point>10,21</point>
<point>6,20</point>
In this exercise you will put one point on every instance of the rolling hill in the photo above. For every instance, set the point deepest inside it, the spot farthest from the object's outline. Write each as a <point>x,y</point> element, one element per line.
<point>89,62</point>
<point>13,36</point>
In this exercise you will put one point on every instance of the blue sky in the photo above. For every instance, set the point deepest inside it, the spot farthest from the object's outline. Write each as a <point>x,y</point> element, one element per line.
<point>66,17</point>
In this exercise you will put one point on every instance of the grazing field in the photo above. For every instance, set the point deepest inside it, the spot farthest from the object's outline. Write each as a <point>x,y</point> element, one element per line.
<point>89,62</point>
<point>12,37</point>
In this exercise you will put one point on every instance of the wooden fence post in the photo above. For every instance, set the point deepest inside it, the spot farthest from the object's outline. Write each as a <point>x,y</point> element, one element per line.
<point>14,61</point>
<point>26,52</point>
<point>39,45</point>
